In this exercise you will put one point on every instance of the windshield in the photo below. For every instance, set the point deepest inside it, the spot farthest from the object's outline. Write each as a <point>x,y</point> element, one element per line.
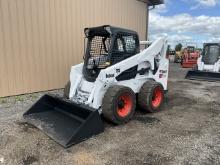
<point>211,54</point>
<point>98,49</point>
<point>191,49</point>
<point>212,50</point>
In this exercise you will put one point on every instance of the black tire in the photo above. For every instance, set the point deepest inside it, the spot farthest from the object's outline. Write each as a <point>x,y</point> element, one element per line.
<point>181,62</point>
<point>146,96</point>
<point>176,59</point>
<point>114,102</point>
<point>195,67</point>
<point>66,90</point>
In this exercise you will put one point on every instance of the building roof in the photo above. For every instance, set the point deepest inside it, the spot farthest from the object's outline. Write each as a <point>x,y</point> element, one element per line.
<point>153,2</point>
<point>106,30</point>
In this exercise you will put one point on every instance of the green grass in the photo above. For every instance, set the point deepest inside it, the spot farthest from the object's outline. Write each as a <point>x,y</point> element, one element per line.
<point>33,96</point>
<point>3,101</point>
<point>19,98</point>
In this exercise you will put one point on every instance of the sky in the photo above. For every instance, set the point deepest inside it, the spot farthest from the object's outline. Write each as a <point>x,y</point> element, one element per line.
<point>186,21</point>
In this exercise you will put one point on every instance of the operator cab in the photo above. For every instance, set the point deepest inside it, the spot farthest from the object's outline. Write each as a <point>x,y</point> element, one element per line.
<point>211,53</point>
<point>191,49</point>
<point>106,46</point>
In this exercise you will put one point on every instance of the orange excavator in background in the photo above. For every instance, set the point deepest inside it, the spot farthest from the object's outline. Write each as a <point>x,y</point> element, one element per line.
<point>189,57</point>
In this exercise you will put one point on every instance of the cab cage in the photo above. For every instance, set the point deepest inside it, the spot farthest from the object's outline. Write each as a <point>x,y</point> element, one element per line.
<point>107,46</point>
<point>211,53</point>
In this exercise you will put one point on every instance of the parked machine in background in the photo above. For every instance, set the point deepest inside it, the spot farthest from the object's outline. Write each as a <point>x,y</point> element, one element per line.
<point>208,64</point>
<point>178,56</point>
<point>172,52</point>
<point>115,72</point>
<point>189,57</point>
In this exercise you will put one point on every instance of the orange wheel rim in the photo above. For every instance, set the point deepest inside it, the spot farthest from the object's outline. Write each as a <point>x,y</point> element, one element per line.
<point>157,97</point>
<point>124,105</point>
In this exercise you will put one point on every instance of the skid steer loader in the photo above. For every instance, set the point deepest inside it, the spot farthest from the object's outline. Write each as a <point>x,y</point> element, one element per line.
<point>208,65</point>
<point>115,71</point>
<point>190,56</point>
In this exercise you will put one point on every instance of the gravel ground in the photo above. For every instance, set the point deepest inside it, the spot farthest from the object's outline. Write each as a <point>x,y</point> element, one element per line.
<point>187,131</point>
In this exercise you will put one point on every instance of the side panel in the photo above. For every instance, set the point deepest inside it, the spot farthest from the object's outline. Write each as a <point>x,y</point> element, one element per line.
<point>156,50</point>
<point>75,78</point>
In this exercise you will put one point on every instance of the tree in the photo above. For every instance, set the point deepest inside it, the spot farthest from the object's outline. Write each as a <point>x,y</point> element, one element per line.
<point>168,48</point>
<point>178,47</point>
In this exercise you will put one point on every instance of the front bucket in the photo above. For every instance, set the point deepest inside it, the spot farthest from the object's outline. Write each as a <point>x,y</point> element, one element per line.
<point>65,122</point>
<point>200,75</point>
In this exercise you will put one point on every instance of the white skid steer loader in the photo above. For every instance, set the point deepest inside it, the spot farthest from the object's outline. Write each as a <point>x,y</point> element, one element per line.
<point>208,65</point>
<point>114,72</point>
